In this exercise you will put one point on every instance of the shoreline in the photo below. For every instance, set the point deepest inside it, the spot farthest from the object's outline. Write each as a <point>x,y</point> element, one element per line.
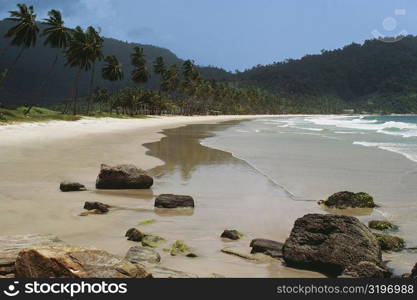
<point>35,159</point>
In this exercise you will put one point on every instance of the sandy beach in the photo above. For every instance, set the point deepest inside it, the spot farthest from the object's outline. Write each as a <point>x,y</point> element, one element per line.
<point>36,157</point>
<point>230,192</point>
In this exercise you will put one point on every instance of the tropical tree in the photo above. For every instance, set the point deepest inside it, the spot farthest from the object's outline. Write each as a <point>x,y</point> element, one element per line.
<point>57,36</point>
<point>25,33</point>
<point>96,44</point>
<point>80,54</point>
<point>112,71</point>
<point>159,66</point>
<point>140,74</point>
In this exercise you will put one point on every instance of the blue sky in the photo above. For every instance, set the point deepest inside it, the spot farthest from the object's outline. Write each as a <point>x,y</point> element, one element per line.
<point>237,34</point>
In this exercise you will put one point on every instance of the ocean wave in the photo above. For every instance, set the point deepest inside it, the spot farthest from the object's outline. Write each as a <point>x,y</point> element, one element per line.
<point>407,150</point>
<point>359,123</point>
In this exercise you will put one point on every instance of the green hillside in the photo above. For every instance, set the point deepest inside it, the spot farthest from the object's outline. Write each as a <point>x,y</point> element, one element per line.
<point>22,84</point>
<point>376,77</point>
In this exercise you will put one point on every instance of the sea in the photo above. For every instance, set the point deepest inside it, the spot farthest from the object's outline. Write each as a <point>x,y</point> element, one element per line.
<point>312,157</point>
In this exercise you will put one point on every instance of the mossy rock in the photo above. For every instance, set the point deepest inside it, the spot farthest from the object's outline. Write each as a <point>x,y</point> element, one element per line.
<point>348,199</point>
<point>147,222</point>
<point>152,241</point>
<point>178,248</point>
<point>380,225</point>
<point>389,242</point>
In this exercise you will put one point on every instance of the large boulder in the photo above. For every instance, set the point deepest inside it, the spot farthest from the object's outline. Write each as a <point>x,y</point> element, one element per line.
<point>74,262</point>
<point>71,187</point>
<point>348,199</point>
<point>330,243</point>
<point>139,254</point>
<point>414,272</point>
<point>123,177</point>
<point>10,246</point>
<point>366,269</point>
<point>389,242</point>
<point>173,201</point>
<point>268,247</point>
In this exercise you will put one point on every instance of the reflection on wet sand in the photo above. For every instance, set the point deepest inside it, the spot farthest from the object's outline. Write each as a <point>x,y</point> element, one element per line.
<point>181,150</point>
<point>229,194</point>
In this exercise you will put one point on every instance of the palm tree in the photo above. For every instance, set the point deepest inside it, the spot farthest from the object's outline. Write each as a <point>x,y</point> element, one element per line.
<point>24,34</point>
<point>80,54</point>
<point>96,43</point>
<point>140,74</point>
<point>159,66</point>
<point>112,71</point>
<point>57,36</point>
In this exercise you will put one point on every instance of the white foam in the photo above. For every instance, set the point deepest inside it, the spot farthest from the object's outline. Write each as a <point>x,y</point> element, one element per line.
<point>407,150</point>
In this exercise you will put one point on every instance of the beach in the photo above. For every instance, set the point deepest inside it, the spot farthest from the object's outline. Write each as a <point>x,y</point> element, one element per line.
<point>206,157</point>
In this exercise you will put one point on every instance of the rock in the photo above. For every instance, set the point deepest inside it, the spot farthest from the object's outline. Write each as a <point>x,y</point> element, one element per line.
<point>414,272</point>
<point>134,235</point>
<point>123,177</point>
<point>389,242</point>
<point>98,206</point>
<point>348,199</point>
<point>231,234</point>
<point>330,243</point>
<point>74,262</point>
<point>178,248</point>
<point>162,272</point>
<point>268,247</point>
<point>192,255</point>
<point>139,254</point>
<point>71,187</point>
<point>380,225</point>
<point>236,252</point>
<point>152,241</point>
<point>10,246</point>
<point>173,201</point>
<point>366,269</point>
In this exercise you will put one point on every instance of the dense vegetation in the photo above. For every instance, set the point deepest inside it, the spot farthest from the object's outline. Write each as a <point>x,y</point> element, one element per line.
<point>42,62</point>
<point>375,77</point>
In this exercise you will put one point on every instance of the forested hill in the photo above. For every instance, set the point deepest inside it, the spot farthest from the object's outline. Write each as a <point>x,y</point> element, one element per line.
<point>22,84</point>
<point>376,76</point>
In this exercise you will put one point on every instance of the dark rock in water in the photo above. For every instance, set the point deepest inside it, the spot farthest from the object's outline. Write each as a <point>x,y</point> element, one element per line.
<point>268,247</point>
<point>123,177</point>
<point>71,187</point>
<point>231,234</point>
<point>348,199</point>
<point>380,225</point>
<point>389,242</point>
<point>192,255</point>
<point>10,246</point>
<point>138,254</point>
<point>134,235</point>
<point>414,272</point>
<point>98,206</point>
<point>74,262</point>
<point>366,269</point>
<point>173,201</point>
<point>330,243</point>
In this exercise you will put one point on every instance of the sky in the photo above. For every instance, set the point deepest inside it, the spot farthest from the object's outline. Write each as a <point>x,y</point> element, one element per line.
<point>236,34</point>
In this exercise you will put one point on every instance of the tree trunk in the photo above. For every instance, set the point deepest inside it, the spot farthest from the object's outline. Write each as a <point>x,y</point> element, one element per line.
<point>93,72</point>
<point>44,81</point>
<point>77,79</point>
<point>12,65</point>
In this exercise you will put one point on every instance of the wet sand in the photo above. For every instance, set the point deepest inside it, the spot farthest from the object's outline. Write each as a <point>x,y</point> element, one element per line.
<point>34,158</point>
